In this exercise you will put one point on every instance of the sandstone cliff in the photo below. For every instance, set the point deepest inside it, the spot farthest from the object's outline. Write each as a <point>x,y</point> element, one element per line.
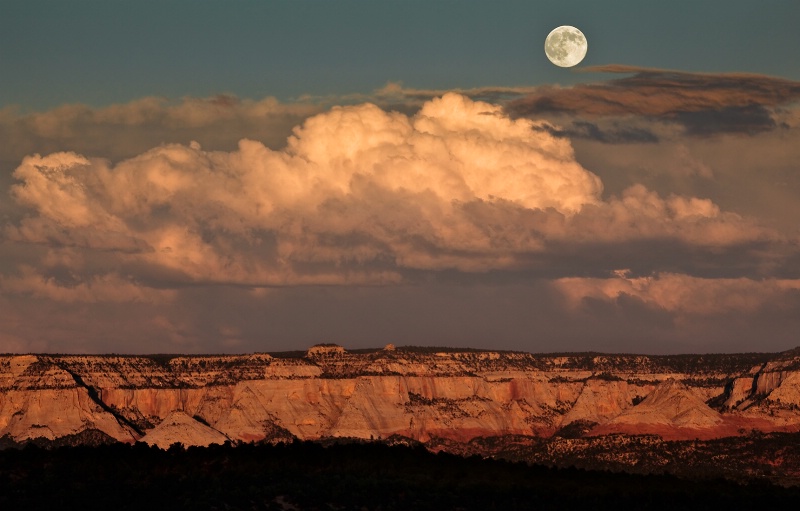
<point>418,393</point>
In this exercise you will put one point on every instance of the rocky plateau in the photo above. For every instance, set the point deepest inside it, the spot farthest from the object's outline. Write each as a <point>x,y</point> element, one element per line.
<point>421,394</point>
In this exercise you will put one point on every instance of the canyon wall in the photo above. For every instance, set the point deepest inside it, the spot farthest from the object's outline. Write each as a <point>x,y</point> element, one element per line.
<point>419,393</point>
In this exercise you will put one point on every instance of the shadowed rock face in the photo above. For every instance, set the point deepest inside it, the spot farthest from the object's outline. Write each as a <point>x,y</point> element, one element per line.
<point>419,393</point>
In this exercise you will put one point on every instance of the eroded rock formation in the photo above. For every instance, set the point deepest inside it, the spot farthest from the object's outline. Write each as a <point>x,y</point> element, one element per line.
<point>419,393</point>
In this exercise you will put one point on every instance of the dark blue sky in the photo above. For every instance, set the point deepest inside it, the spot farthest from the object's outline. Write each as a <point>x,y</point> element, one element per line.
<point>100,52</point>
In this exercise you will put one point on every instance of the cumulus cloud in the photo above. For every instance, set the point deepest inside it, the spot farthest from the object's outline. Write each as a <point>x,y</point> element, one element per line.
<point>359,195</point>
<point>730,137</point>
<point>376,204</point>
<point>124,130</point>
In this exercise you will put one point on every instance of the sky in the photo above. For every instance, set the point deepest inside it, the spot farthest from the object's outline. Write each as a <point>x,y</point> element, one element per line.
<point>227,177</point>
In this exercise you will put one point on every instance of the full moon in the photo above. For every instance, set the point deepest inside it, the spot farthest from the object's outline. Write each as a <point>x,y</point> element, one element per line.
<point>565,46</point>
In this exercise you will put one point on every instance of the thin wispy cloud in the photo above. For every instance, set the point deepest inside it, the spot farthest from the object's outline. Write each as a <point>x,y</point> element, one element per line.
<point>704,104</point>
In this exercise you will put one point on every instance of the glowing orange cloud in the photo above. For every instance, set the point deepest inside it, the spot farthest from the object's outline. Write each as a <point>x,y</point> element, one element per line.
<point>359,195</point>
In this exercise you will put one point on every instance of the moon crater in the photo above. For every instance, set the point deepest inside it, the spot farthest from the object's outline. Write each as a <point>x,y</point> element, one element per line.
<point>565,46</point>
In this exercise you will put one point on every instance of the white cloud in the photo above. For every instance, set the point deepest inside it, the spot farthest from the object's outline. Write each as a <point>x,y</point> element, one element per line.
<point>358,196</point>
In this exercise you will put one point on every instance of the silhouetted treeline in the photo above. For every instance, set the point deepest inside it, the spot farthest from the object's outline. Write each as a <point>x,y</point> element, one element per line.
<point>341,476</point>
<point>773,457</point>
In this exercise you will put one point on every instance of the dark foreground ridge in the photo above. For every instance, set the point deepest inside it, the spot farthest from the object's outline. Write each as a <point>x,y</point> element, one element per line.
<point>310,476</point>
<point>697,417</point>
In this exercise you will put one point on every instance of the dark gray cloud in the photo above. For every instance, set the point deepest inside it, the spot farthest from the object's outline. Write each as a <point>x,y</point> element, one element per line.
<point>748,120</point>
<point>704,104</point>
<point>593,131</point>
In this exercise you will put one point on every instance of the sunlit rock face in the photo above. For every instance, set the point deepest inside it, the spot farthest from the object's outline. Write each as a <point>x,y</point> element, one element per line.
<point>179,428</point>
<point>419,393</point>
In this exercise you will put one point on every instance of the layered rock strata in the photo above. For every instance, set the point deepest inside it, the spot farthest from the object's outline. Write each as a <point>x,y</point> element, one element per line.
<point>420,393</point>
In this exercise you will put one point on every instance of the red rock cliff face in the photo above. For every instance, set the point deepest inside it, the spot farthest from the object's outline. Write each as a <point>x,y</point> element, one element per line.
<point>417,393</point>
